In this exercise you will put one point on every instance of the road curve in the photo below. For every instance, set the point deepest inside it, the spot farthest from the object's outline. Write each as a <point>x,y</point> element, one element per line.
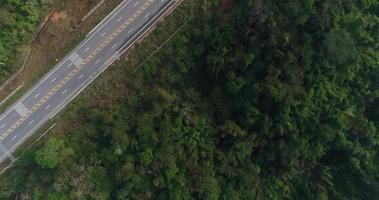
<point>114,35</point>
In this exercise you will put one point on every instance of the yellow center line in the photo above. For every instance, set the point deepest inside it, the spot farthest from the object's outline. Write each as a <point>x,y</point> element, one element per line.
<point>76,70</point>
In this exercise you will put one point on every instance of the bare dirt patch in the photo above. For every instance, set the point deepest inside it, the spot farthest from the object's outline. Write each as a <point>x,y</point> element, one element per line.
<point>62,31</point>
<point>58,15</point>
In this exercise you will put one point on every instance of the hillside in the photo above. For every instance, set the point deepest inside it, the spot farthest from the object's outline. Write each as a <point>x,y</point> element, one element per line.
<point>253,99</point>
<point>18,22</point>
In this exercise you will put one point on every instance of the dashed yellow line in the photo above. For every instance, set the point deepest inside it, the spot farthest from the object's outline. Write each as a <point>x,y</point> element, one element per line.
<point>75,71</point>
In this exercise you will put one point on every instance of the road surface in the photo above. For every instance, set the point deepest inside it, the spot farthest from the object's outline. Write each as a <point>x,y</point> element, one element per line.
<point>101,47</point>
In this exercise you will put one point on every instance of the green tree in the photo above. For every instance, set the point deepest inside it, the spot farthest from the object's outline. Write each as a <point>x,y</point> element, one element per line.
<point>52,153</point>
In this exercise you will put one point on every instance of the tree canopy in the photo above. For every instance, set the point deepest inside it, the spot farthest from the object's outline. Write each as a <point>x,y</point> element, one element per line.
<point>267,100</point>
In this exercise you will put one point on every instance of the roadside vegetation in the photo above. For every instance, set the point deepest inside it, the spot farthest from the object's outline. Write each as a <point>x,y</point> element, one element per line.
<point>62,31</point>
<point>254,99</point>
<point>18,23</point>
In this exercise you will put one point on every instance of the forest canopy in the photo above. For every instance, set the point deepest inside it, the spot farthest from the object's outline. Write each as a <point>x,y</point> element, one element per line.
<point>264,100</point>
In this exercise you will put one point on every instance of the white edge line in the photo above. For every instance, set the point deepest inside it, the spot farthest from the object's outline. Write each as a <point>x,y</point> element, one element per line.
<point>147,24</point>
<point>64,103</point>
<point>106,20</point>
<point>105,66</point>
<point>63,61</point>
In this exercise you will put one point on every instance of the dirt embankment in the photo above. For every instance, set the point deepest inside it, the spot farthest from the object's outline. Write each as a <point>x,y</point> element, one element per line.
<point>61,31</point>
<point>58,15</point>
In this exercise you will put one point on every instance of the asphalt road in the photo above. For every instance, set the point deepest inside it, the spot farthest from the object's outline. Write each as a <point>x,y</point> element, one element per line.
<point>101,47</point>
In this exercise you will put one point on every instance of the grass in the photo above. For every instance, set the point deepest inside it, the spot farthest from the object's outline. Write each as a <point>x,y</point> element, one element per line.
<point>58,4</point>
<point>54,42</point>
<point>109,86</point>
<point>113,85</point>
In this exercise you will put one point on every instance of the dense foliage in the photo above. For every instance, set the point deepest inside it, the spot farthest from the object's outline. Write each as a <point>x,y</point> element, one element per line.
<point>268,100</point>
<point>18,21</point>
